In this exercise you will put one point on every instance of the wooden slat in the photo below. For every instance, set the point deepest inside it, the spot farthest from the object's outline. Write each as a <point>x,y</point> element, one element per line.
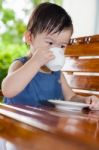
<point>83,82</point>
<point>81,65</point>
<point>91,49</point>
<point>83,40</point>
<point>94,38</point>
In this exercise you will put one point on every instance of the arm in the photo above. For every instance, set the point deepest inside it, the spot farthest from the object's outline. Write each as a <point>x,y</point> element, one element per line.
<point>20,75</point>
<point>70,95</point>
<point>67,91</point>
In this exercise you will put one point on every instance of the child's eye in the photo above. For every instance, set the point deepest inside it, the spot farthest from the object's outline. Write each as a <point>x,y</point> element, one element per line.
<point>50,43</point>
<point>62,46</point>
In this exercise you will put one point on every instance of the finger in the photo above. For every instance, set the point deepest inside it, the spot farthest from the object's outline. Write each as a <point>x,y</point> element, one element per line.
<point>88,100</point>
<point>94,104</point>
<point>51,57</point>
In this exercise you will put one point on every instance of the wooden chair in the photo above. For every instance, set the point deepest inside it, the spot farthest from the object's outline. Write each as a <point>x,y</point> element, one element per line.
<point>82,65</point>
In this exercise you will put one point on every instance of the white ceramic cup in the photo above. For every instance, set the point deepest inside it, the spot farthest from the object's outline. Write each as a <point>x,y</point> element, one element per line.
<point>57,63</point>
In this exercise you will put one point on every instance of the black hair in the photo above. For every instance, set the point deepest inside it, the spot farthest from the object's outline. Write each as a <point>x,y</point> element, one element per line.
<point>49,17</point>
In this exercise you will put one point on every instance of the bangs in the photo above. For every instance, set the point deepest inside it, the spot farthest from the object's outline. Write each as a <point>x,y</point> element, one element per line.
<point>56,25</point>
<point>50,18</point>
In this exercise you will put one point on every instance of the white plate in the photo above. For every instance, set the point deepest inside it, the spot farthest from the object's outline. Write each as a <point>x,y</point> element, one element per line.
<point>68,105</point>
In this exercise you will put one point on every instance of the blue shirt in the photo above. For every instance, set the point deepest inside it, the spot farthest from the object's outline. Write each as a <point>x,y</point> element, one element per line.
<point>42,87</point>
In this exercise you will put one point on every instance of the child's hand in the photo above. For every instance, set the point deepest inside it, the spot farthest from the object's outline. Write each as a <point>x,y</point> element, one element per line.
<point>93,101</point>
<point>42,56</point>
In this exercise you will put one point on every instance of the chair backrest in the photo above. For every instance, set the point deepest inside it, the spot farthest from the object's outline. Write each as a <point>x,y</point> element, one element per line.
<point>82,65</point>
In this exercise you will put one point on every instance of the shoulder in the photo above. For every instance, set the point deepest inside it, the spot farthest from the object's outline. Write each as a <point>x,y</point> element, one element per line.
<point>22,59</point>
<point>17,63</point>
<point>14,66</point>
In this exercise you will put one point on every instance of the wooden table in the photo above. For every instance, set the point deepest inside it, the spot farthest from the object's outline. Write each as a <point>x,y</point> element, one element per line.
<point>31,128</point>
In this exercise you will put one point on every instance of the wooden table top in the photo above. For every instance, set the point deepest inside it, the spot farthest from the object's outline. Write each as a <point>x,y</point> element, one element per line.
<point>30,128</point>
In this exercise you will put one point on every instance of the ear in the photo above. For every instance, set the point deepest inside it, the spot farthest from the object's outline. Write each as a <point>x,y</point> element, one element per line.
<point>28,37</point>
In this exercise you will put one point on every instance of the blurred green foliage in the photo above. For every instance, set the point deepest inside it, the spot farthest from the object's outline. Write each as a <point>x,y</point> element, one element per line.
<point>14,27</point>
<point>11,44</point>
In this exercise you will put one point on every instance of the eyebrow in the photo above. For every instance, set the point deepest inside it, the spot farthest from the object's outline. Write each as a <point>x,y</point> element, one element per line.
<point>54,40</point>
<point>49,38</point>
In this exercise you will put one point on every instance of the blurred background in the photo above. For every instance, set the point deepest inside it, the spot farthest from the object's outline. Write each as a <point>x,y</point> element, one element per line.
<point>14,15</point>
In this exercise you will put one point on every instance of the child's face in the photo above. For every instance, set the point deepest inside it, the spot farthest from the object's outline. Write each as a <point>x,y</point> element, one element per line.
<point>51,40</point>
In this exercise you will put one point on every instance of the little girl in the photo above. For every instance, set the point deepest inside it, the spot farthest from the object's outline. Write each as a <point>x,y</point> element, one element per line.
<point>29,80</point>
